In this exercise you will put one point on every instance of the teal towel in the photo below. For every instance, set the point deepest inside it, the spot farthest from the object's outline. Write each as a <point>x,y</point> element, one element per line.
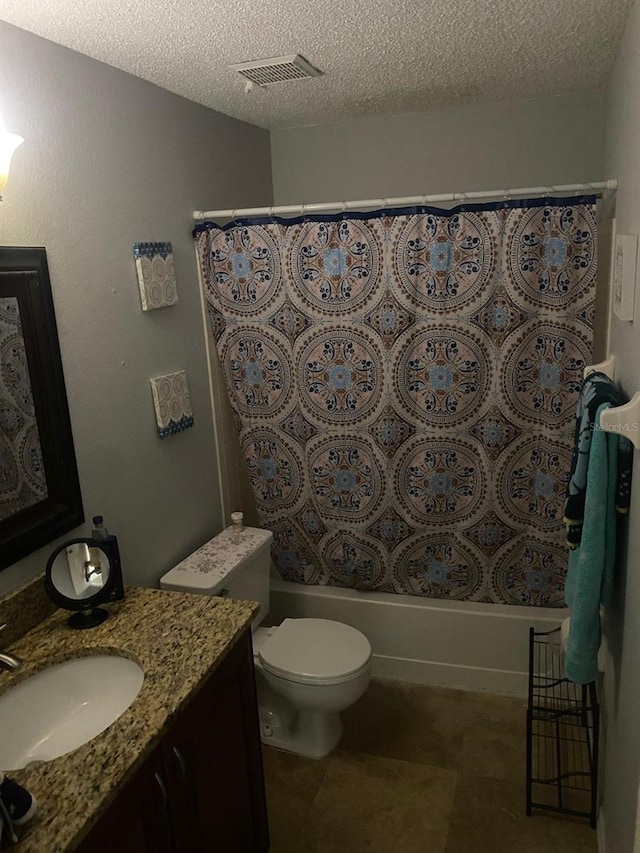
<point>590,575</point>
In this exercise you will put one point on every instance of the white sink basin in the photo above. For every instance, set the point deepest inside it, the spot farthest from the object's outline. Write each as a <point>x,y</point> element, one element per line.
<point>58,709</point>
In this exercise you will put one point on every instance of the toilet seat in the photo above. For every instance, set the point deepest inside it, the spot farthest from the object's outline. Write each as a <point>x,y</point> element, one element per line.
<point>315,651</point>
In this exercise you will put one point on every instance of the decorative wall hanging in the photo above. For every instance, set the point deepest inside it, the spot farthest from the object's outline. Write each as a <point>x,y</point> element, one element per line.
<point>406,381</point>
<point>156,275</point>
<point>172,403</point>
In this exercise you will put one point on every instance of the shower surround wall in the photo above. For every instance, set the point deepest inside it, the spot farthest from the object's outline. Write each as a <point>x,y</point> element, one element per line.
<point>406,384</point>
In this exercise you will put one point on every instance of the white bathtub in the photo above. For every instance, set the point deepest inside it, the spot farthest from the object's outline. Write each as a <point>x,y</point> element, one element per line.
<point>455,644</point>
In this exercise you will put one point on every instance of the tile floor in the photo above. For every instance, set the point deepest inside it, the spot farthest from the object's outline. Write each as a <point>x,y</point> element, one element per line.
<point>420,770</point>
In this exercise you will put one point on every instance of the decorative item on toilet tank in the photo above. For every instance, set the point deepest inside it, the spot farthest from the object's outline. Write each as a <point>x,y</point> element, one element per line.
<point>406,383</point>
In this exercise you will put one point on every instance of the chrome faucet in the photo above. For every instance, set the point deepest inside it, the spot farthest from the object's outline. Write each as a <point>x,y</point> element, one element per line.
<point>8,661</point>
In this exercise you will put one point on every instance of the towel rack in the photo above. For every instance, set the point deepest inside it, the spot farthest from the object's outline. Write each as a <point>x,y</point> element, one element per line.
<point>625,420</point>
<point>608,367</point>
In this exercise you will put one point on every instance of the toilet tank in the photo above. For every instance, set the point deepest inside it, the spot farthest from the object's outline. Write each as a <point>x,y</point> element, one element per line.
<point>232,565</point>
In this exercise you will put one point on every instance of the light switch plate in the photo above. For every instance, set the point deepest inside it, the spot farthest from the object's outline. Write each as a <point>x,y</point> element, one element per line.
<point>624,263</point>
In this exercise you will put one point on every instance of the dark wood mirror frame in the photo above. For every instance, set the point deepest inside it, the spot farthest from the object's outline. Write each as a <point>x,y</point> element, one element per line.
<point>24,274</point>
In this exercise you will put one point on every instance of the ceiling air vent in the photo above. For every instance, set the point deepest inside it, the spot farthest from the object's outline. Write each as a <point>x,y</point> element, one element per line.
<point>263,72</point>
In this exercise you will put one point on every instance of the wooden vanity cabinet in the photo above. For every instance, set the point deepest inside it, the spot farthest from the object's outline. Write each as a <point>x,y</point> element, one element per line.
<point>202,789</point>
<point>138,821</point>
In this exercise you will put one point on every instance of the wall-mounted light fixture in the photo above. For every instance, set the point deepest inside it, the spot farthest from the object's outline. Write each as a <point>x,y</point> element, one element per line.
<point>8,144</point>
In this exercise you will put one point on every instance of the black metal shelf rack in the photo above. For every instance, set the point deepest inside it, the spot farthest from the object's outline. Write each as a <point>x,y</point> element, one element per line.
<point>562,734</point>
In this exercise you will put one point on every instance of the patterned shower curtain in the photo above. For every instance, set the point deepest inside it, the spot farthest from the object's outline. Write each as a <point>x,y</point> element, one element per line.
<point>405,384</point>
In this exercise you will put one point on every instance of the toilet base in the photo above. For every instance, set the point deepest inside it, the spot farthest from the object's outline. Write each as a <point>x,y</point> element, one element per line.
<point>307,733</point>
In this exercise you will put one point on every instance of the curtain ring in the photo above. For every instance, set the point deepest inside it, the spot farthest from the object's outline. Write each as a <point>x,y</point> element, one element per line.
<point>233,213</point>
<point>302,207</point>
<point>271,212</point>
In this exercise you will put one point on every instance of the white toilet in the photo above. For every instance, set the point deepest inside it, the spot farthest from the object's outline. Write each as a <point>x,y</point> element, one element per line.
<point>307,670</point>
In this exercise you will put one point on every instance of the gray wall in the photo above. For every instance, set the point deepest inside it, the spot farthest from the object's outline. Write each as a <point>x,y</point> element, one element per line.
<point>108,160</point>
<point>622,684</point>
<point>520,144</point>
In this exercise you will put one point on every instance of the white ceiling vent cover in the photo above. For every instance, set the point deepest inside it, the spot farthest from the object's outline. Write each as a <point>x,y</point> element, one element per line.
<point>263,72</point>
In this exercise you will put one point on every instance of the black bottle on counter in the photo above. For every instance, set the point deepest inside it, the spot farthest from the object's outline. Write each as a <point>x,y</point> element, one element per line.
<point>109,544</point>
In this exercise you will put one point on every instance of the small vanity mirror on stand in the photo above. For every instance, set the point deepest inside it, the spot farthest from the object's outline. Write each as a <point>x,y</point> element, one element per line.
<point>79,576</point>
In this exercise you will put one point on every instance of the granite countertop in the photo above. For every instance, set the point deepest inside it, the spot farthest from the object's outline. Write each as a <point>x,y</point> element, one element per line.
<point>178,639</point>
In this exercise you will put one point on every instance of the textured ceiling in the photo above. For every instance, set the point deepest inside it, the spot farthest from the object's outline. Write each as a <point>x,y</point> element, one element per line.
<point>379,56</point>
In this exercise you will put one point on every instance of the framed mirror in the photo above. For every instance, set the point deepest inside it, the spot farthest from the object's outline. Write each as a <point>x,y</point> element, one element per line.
<point>39,488</point>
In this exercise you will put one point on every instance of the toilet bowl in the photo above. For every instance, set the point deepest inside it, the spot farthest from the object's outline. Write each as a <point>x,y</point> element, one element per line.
<point>307,670</point>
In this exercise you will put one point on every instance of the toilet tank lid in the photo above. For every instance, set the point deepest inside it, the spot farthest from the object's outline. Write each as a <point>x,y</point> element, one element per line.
<point>215,562</point>
<point>316,649</point>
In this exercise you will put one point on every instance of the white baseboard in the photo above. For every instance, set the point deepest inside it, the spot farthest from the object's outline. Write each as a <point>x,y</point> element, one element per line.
<point>602,835</point>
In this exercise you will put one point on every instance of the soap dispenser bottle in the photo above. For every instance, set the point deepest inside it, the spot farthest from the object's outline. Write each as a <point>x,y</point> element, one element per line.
<point>109,544</point>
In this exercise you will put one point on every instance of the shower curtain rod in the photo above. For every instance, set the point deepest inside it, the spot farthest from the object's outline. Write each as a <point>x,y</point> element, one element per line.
<point>402,201</point>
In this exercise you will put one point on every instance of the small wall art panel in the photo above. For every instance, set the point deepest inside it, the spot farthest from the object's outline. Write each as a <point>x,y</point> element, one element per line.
<point>156,275</point>
<point>172,403</point>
